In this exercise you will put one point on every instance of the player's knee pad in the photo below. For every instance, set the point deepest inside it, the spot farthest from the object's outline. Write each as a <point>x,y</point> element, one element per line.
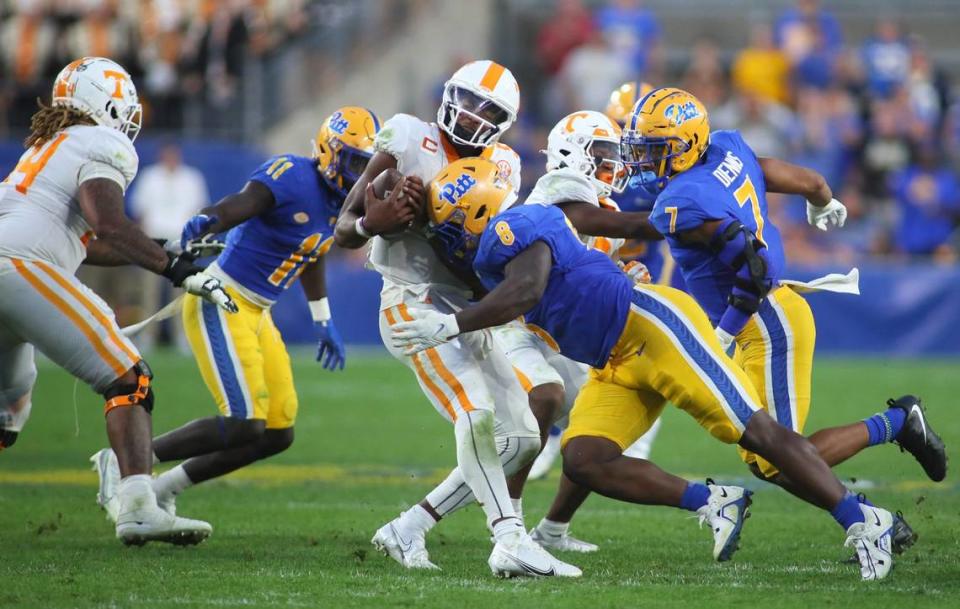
<point>7,438</point>
<point>121,394</point>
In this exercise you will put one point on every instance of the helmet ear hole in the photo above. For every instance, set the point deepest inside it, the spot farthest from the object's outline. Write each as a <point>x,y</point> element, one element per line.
<point>480,212</point>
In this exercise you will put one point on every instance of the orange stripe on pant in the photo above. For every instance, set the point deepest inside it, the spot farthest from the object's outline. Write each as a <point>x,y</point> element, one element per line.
<point>442,370</point>
<point>62,306</point>
<point>422,373</point>
<point>91,308</point>
<point>524,379</point>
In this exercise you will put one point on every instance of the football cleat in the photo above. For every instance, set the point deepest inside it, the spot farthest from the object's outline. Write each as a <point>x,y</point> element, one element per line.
<point>108,471</point>
<point>919,439</point>
<point>518,555</point>
<point>902,539</point>
<point>168,503</point>
<point>873,540</point>
<point>140,521</point>
<point>545,460</point>
<point>562,543</point>
<point>410,550</point>
<point>726,509</point>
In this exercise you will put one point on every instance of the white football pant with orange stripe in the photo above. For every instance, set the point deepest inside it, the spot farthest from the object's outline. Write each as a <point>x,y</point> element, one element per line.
<point>47,308</point>
<point>463,378</point>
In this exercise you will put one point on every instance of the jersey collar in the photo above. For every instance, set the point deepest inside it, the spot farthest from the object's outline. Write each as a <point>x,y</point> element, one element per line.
<point>453,155</point>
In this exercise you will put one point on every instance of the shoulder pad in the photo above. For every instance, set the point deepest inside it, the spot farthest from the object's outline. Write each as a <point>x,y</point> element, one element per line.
<point>563,186</point>
<point>395,135</point>
<point>110,147</point>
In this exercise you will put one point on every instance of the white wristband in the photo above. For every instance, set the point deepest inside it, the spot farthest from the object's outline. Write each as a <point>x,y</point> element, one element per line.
<point>320,310</point>
<point>361,230</point>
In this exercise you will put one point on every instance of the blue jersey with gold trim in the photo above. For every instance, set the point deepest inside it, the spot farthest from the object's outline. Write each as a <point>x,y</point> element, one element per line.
<point>584,307</point>
<point>727,183</point>
<point>267,253</point>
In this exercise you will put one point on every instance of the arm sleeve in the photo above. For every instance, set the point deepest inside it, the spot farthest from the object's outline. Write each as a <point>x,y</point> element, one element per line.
<point>111,155</point>
<point>563,186</point>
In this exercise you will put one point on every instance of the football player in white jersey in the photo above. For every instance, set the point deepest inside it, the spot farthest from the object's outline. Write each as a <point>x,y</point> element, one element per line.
<point>469,381</point>
<point>584,143</point>
<point>61,206</point>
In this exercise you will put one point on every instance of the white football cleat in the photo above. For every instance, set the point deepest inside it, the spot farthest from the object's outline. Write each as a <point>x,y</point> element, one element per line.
<point>410,550</point>
<point>545,460</point>
<point>108,471</point>
<point>873,541</point>
<point>564,542</point>
<point>140,521</point>
<point>168,503</point>
<point>726,509</point>
<point>519,555</point>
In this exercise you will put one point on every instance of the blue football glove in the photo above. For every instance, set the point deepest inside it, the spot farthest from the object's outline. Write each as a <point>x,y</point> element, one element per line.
<point>196,227</point>
<point>330,350</point>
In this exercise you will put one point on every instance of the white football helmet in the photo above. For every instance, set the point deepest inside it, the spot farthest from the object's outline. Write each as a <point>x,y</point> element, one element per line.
<point>101,89</point>
<point>589,142</point>
<point>480,102</point>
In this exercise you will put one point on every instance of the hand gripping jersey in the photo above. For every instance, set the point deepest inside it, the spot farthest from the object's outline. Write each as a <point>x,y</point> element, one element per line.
<point>40,216</point>
<point>420,149</point>
<point>267,253</point>
<point>584,307</point>
<point>727,183</point>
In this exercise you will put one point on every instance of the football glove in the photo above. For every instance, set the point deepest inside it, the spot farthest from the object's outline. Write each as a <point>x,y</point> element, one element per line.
<point>427,329</point>
<point>726,340</point>
<point>637,271</point>
<point>833,212</point>
<point>330,345</point>
<point>195,228</point>
<point>207,245</point>
<point>183,273</point>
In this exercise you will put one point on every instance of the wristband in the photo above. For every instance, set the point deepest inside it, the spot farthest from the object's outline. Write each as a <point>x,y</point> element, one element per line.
<point>361,230</point>
<point>320,310</point>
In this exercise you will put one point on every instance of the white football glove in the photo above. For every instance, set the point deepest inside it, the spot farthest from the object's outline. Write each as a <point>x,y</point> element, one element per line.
<point>209,289</point>
<point>833,212</point>
<point>637,271</point>
<point>427,329</point>
<point>725,339</point>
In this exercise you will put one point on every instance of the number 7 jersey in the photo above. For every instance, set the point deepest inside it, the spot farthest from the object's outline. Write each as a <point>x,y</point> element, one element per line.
<point>268,252</point>
<point>727,183</point>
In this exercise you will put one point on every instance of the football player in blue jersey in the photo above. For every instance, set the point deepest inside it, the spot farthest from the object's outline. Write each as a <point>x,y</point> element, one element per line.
<point>279,227</point>
<point>647,345</point>
<point>712,208</point>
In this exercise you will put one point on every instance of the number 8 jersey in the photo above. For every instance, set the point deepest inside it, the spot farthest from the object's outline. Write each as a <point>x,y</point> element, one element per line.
<point>267,253</point>
<point>40,217</point>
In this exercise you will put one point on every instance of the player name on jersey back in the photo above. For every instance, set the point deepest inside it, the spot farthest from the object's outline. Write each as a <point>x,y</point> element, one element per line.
<point>40,217</point>
<point>407,259</point>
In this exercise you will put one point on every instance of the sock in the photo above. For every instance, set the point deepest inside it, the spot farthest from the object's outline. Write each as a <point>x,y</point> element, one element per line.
<point>885,426</point>
<point>480,466</point>
<point>417,519</point>
<point>173,482</point>
<point>136,493</point>
<point>517,507</point>
<point>694,496</point>
<point>507,527</point>
<point>847,512</point>
<point>450,495</point>
<point>554,528</point>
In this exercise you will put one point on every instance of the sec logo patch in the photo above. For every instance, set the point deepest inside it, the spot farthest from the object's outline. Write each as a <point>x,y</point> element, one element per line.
<point>301,217</point>
<point>504,169</point>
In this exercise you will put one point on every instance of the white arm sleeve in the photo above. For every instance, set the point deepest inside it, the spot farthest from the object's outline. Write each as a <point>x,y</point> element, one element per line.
<point>563,186</point>
<point>111,155</point>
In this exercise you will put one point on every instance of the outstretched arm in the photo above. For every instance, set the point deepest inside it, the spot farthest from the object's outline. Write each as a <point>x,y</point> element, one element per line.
<point>790,179</point>
<point>237,208</point>
<point>525,279</point>
<point>594,221</point>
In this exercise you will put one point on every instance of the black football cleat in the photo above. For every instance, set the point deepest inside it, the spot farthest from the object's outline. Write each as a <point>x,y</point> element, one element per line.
<point>903,535</point>
<point>919,439</point>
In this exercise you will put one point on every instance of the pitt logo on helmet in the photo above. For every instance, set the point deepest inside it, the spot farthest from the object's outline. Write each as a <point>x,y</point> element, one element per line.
<point>667,133</point>
<point>343,146</point>
<point>462,199</point>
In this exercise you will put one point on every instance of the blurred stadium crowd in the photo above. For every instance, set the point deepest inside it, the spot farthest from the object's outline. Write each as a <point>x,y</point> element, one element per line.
<point>876,116</point>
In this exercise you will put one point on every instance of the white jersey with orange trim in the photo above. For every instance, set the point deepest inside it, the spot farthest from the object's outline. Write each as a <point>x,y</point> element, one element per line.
<point>40,217</point>
<point>406,261</point>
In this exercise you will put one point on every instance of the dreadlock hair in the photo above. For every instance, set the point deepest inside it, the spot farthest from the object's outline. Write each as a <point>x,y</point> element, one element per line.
<point>50,120</point>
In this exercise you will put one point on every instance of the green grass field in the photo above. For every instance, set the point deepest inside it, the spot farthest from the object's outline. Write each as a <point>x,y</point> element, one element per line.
<point>294,532</point>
